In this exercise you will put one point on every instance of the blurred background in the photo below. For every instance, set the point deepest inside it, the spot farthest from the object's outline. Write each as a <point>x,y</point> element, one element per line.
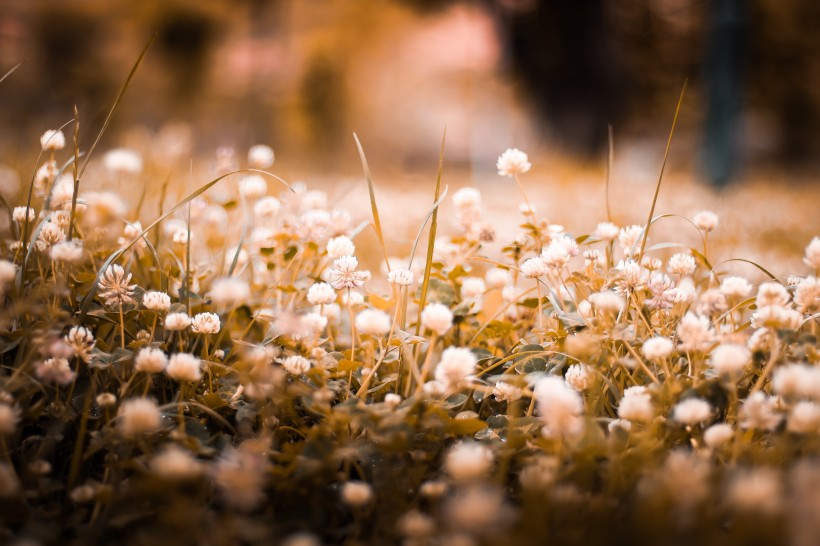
<point>546,76</point>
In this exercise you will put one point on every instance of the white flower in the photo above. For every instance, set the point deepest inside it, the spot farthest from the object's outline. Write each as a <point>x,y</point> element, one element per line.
<point>607,231</point>
<point>229,292</point>
<point>472,287</point>
<point>756,491</point>
<point>534,268</point>
<point>560,408</point>
<point>52,140</point>
<point>177,321</point>
<point>456,367</point>
<point>173,463</point>
<point>260,156</point>
<point>657,348</point>
<point>54,370</point>
<point>505,392</point>
<point>340,246</point>
<point>139,416</point>
<point>608,301</point>
<point>807,295</point>
<point>122,160</point>
<point>706,220</point>
<point>23,214</point>
<point>373,322</point>
<point>321,293</point>
<point>184,367</point>
<point>736,287</point>
<point>296,365</point>
<point>630,238</point>
<point>253,186</point>
<point>694,333</point>
<point>266,208</point>
<point>156,301</point>
<point>498,278</point>
<point>392,399</point>
<point>772,293</point>
<point>730,358</point>
<point>468,461</point>
<point>205,323</point>
<point>804,418</point>
<point>797,380</point>
<point>344,274</point>
<point>437,317</point>
<point>151,360</point>
<point>67,251</point>
<point>400,277</point>
<point>759,412</point>
<point>580,377</point>
<point>513,161</point>
<point>717,435</point>
<point>356,493</point>
<point>81,341</point>
<point>812,258</point>
<point>681,264</point>
<point>692,411</point>
<point>636,405</point>
<point>467,198</point>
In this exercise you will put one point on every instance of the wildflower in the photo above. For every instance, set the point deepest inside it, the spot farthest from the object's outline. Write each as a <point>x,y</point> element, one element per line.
<point>772,294</point>
<point>373,322</point>
<point>467,198</point>
<point>534,268</point>
<point>229,292</point>
<point>759,412</point>
<point>139,416</point>
<point>812,258</point>
<point>630,276</point>
<point>252,187</point>
<point>437,317</point>
<point>353,299</point>
<point>663,291</point>
<point>340,246</point>
<point>606,231</point>
<point>260,156</point>
<point>797,380</point>
<point>22,215</point>
<point>456,367</point>
<point>807,295</point>
<point>81,341</point>
<point>580,377</point>
<point>356,493</point>
<point>50,235</point>
<point>498,278</point>
<point>472,287</point>
<point>636,405</point>
<point>629,238</point>
<point>804,418</point>
<point>177,321</point>
<point>296,365</point>
<point>156,301</point>
<point>513,161</point>
<point>717,435</point>
<point>173,463</point>
<point>657,348</point>
<point>52,140</point>
<point>730,358</point>
<point>344,274</point>
<point>114,287</point>
<point>706,220</point>
<point>332,312</point>
<point>468,461</point>
<point>106,400</point>
<point>184,367</point>
<point>694,333</point>
<point>712,303</point>
<point>774,316</point>
<point>67,251</point>
<point>313,323</point>
<point>651,263</point>
<point>151,360</point>
<point>123,161</point>
<point>756,490</point>
<point>321,293</point>
<point>55,370</point>
<point>205,323</point>
<point>392,399</point>
<point>681,264</point>
<point>607,302</point>
<point>239,476</point>
<point>692,411</point>
<point>560,407</point>
<point>400,277</point>
<point>505,392</point>
<point>266,208</point>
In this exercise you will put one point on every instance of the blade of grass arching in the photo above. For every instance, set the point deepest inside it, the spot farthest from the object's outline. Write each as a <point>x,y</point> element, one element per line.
<point>424,224</point>
<point>757,265</point>
<point>663,167</point>
<point>114,106</point>
<point>431,237</point>
<point>11,71</point>
<point>76,191</point>
<point>116,255</point>
<point>609,157</point>
<point>375,209</point>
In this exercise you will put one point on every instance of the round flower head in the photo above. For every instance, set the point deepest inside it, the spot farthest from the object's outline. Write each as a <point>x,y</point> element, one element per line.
<point>706,220</point>
<point>122,160</point>
<point>81,341</point>
<point>52,140</point>
<point>560,407</point>
<point>343,274</point>
<point>177,321</point>
<point>184,367</point>
<point>437,317</point>
<point>456,367</point>
<point>467,198</point>
<point>340,246</point>
<point>468,461</point>
<point>23,214</point>
<point>472,287</point>
<point>296,365</point>
<point>580,377</point>
<point>812,258</point>
<point>373,322</point>
<point>636,405</point>
<point>681,264</point>
<point>505,392</point>
<point>534,268</point>
<point>498,278</point>
<point>156,301</point>
<point>54,370</point>
<point>735,287</point>
<point>253,186</point>
<point>692,411</point>
<point>356,493</point>
<point>68,252</point>
<point>772,294</point>
<point>173,463</point>
<point>260,156</point>
<point>266,208</point>
<point>607,231</point>
<point>513,161</point>
<point>717,435</point>
<point>139,416</point>
<point>229,292</point>
<point>400,277</point>
<point>114,287</point>
<point>321,293</point>
<point>730,358</point>
<point>151,360</point>
<point>206,323</point>
<point>657,348</point>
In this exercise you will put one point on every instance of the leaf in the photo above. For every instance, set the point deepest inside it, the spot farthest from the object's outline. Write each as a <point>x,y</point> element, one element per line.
<point>346,365</point>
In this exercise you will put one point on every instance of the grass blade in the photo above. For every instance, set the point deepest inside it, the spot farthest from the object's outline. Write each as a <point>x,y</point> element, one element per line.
<point>375,209</point>
<point>663,167</point>
<point>11,71</point>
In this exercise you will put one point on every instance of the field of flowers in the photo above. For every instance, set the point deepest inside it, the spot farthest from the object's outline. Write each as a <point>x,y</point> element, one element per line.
<point>226,371</point>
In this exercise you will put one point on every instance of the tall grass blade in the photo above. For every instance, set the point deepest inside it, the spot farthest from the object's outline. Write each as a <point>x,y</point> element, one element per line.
<point>373,207</point>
